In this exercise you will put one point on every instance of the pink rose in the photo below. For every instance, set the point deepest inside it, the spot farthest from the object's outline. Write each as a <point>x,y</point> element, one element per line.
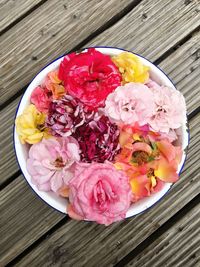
<point>169,110</point>
<point>51,162</point>
<point>171,135</point>
<point>98,192</point>
<point>41,99</point>
<point>129,104</point>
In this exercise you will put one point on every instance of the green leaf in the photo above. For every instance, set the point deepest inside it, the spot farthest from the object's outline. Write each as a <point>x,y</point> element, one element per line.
<point>150,158</point>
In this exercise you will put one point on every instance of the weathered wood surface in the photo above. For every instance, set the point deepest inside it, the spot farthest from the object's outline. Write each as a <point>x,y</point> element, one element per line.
<point>11,10</point>
<point>8,164</point>
<point>178,246</point>
<point>53,29</point>
<point>85,243</point>
<point>153,27</point>
<point>24,218</point>
<point>182,65</point>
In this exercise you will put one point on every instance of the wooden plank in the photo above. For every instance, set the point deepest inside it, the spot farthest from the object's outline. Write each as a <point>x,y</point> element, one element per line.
<point>8,164</point>
<point>178,246</point>
<point>10,10</point>
<point>153,27</point>
<point>24,218</point>
<point>88,244</point>
<point>182,59</point>
<point>53,29</point>
<point>183,67</point>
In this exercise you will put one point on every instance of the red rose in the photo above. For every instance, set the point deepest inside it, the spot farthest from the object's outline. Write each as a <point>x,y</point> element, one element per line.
<point>98,140</point>
<point>90,76</point>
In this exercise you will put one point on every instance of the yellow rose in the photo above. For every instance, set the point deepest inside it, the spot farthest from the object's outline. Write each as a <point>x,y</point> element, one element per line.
<point>131,68</point>
<point>30,125</point>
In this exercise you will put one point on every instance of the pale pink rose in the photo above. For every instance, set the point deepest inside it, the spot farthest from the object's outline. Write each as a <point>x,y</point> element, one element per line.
<point>171,136</point>
<point>51,162</point>
<point>41,99</point>
<point>170,109</point>
<point>129,104</point>
<point>98,192</point>
<point>151,84</point>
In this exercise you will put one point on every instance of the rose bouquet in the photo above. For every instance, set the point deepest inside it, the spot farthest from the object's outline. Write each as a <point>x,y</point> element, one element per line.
<point>102,134</point>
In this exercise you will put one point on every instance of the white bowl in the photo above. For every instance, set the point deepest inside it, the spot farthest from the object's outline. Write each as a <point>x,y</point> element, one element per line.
<point>51,198</point>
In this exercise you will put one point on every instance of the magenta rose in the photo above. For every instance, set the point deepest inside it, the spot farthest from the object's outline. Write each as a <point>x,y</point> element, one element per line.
<point>98,192</point>
<point>89,76</point>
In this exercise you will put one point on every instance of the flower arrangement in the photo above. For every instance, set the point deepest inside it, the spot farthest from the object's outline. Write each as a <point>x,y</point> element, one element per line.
<point>102,134</point>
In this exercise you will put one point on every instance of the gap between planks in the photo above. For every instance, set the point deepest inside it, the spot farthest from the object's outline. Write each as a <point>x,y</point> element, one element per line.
<point>175,47</point>
<point>174,220</point>
<point>161,18</point>
<point>12,12</point>
<point>178,246</point>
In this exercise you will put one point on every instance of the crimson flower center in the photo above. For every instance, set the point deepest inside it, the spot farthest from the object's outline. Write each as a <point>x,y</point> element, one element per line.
<point>59,163</point>
<point>161,109</point>
<point>40,127</point>
<point>129,106</point>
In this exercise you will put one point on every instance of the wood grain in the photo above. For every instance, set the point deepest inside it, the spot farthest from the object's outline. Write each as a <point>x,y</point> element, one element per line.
<point>178,66</point>
<point>11,10</point>
<point>24,218</point>
<point>87,244</point>
<point>183,67</point>
<point>8,165</point>
<point>53,29</point>
<point>153,27</point>
<point>178,246</point>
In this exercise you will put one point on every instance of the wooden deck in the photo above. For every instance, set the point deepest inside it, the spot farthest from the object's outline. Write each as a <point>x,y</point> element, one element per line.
<point>32,33</point>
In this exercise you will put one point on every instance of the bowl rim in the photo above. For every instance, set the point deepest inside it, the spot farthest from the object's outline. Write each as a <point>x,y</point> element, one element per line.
<point>81,50</point>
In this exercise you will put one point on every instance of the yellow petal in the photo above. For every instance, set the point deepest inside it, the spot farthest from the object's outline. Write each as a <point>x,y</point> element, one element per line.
<point>35,138</point>
<point>136,137</point>
<point>27,125</point>
<point>118,166</point>
<point>166,171</point>
<point>131,68</point>
<point>153,181</point>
